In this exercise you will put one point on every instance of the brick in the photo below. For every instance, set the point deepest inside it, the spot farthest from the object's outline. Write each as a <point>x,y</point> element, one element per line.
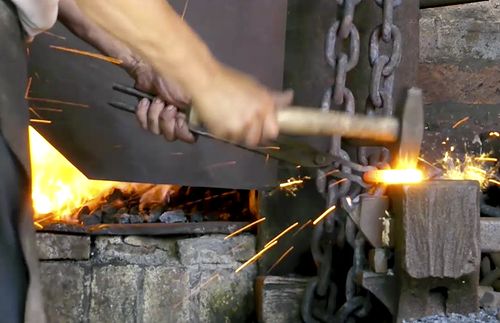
<point>62,246</point>
<point>65,290</point>
<point>166,291</point>
<point>114,293</point>
<point>213,249</point>
<point>136,251</point>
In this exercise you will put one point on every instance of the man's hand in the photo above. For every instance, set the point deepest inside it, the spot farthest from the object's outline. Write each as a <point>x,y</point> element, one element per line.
<point>237,108</point>
<point>162,116</point>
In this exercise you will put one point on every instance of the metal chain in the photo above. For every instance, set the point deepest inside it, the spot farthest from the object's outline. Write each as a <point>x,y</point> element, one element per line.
<point>320,299</point>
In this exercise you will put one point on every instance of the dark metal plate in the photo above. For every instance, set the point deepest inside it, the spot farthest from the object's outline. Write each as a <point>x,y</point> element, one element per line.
<point>109,144</point>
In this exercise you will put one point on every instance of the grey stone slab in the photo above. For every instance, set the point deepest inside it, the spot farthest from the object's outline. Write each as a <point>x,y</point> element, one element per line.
<point>62,246</point>
<point>223,295</point>
<point>459,33</point>
<point>279,299</point>
<point>213,249</point>
<point>65,291</point>
<point>166,291</point>
<point>114,294</point>
<point>136,250</point>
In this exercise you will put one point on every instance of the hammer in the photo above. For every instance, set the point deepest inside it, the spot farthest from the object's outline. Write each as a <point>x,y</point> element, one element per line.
<point>404,135</point>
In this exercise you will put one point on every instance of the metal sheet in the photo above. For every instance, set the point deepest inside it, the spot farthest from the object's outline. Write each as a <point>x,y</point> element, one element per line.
<point>108,144</point>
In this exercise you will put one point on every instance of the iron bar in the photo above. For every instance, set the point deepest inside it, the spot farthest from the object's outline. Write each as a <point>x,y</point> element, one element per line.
<point>441,3</point>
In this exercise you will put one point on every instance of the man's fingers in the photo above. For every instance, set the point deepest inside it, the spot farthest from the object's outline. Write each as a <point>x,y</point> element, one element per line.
<point>167,122</point>
<point>142,113</point>
<point>270,128</point>
<point>283,99</point>
<point>253,134</point>
<point>182,129</point>
<point>154,111</point>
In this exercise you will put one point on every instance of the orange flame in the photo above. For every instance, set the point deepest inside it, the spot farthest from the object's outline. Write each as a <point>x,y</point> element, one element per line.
<point>58,187</point>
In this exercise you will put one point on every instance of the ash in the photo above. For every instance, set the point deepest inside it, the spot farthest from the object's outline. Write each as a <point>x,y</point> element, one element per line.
<point>483,316</point>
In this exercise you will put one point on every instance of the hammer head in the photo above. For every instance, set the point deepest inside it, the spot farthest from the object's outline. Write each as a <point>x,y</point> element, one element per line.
<point>407,148</point>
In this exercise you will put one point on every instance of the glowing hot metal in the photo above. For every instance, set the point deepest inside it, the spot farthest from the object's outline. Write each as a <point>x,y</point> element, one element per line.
<point>394,176</point>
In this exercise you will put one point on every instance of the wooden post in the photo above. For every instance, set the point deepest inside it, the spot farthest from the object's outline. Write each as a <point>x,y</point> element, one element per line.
<point>437,247</point>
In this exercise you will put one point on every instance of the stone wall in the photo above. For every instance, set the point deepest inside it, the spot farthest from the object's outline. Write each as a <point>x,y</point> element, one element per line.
<point>142,279</point>
<point>459,73</point>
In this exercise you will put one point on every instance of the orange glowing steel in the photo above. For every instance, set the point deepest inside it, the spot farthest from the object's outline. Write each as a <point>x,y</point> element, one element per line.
<point>256,257</point>
<point>28,87</point>
<point>324,214</point>
<point>246,227</point>
<point>58,187</point>
<point>394,176</point>
<point>460,122</point>
<point>494,134</point>
<point>89,54</point>
<point>282,233</point>
<point>280,259</point>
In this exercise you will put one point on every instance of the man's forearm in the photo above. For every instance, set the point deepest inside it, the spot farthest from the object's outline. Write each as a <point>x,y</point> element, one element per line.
<point>80,25</point>
<point>153,29</point>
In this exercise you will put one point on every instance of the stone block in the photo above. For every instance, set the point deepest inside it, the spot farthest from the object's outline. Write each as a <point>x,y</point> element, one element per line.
<point>461,33</point>
<point>65,291</point>
<point>136,250</point>
<point>62,246</point>
<point>213,249</point>
<point>279,299</point>
<point>166,294</point>
<point>221,295</point>
<point>115,294</point>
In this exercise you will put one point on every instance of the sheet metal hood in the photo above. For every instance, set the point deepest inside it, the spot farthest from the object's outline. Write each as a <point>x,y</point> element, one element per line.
<point>72,92</point>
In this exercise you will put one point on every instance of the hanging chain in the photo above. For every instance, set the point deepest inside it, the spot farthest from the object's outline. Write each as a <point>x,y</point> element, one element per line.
<point>320,303</point>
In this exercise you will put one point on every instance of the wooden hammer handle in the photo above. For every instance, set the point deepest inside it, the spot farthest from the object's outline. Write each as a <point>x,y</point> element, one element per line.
<point>311,122</point>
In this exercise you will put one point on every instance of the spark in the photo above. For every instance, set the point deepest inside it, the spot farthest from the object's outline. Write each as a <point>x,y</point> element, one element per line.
<point>222,164</point>
<point>302,227</point>
<point>280,259</point>
<point>460,122</point>
<point>324,214</point>
<point>246,227</point>
<point>49,109</point>
<point>185,9</point>
<point>197,290</point>
<point>269,147</point>
<point>426,162</point>
<point>349,200</point>
<point>329,173</point>
<point>38,225</point>
<point>256,257</point>
<point>55,35</point>
<point>494,181</point>
<point>58,101</point>
<point>291,183</point>
<point>486,159</point>
<point>89,54</point>
<point>494,134</point>
<point>28,87</point>
<point>40,121</point>
<point>267,158</point>
<point>282,233</point>
<point>36,113</point>
<point>338,182</point>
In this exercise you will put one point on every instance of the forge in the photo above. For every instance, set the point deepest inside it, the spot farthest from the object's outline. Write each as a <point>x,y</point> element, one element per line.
<point>131,228</point>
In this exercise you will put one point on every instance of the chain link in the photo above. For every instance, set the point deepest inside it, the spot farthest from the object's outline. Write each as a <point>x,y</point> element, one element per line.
<point>340,186</point>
